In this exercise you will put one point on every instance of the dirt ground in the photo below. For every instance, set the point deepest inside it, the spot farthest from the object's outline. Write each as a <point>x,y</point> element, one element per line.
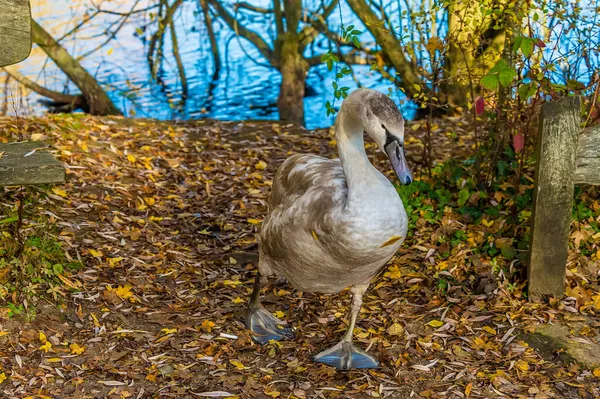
<point>163,217</point>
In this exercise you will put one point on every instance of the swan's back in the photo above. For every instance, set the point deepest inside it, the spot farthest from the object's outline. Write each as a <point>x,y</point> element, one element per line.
<point>318,180</point>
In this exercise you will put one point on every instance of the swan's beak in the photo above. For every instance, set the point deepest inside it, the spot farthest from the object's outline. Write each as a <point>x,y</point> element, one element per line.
<point>395,153</point>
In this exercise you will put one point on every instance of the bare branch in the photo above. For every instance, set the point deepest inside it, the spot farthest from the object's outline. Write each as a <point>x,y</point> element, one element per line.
<point>110,37</point>
<point>211,37</point>
<point>355,57</point>
<point>310,32</point>
<point>75,100</point>
<point>178,61</point>
<point>391,47</point>
<point>246,33</point>
<point>125,14</point>
<point>250,7</point>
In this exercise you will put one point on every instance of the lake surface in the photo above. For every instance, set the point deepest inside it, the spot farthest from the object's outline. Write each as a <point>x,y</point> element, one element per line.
<point>245,89</point>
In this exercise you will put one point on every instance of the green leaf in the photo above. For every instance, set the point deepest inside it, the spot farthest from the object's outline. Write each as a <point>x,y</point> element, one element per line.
<point>355,41</point>
<point>344,94</point>
<point>527,46</point>
<point>334,84</point>
<point>500,65</point>
<point>329,64</point>
<point>356,32</point>
<point>463,196</point>
<point>335,58</point>
<point>506,76</point>
<point>526,91</point>
<point>346,70</point>
<point>57,269</point>
<point>349,28</point>
<point>344,88</point>
<point>517,43</point>
<point>508,252</point>
<point>490,82</point>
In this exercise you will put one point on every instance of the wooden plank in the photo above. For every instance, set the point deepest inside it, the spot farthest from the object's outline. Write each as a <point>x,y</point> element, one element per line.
<point>553,196</point>
<point>40,167</point>
<point>588,157</point>
<point>15,31</point>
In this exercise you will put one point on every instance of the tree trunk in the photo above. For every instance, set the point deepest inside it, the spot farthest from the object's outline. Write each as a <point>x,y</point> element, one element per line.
<point>474,47</point>
<point>293,68</point>
<point>96,98</point>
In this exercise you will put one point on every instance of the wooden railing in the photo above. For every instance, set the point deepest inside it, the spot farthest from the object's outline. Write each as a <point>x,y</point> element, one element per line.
<point>566,156</point>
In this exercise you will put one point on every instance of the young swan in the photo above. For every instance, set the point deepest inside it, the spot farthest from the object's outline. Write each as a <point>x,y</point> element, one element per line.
<point>334,223</point>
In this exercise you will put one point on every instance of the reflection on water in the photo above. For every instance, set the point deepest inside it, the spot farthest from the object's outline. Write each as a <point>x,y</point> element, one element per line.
<point>245,89</point>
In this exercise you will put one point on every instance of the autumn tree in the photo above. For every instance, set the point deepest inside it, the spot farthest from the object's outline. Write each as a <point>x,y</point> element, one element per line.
<point>449,59</point>
<point>296,27</point>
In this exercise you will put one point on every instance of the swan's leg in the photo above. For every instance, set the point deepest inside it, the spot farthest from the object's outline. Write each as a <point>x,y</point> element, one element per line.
<point>260,321</point>
<point>345,355</point>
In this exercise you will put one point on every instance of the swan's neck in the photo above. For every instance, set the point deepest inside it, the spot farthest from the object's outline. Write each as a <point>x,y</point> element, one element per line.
<point>360,174</point>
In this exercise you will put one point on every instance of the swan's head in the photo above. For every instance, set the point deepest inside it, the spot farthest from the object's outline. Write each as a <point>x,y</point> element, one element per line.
<point>384,123</point>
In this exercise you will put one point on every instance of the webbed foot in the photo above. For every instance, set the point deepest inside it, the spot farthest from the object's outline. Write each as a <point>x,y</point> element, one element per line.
<point>265,326</point>
<point>346,356</point>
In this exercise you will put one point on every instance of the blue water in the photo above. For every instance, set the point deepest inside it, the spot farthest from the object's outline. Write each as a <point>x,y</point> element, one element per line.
<point>246,87</point>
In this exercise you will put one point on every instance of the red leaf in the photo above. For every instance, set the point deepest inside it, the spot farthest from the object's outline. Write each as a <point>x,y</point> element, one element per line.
<point>479,105</point>
<point>518,142</point>
<point>540,43</point>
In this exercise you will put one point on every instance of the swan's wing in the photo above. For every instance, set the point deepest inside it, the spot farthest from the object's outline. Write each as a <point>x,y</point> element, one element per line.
<point>308,192</point>
<point>319,180</point>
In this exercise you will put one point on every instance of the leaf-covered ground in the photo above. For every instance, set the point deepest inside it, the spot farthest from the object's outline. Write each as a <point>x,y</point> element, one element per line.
<point>135,275</point>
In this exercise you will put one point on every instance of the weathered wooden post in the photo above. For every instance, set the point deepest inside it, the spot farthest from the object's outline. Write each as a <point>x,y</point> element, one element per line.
<point>553,196</point>
<point>15,31</point>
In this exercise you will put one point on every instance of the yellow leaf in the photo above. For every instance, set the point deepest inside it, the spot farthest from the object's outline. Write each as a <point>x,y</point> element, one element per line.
<point>130,158</point>
<point>391,241</point>
<point>395,329</point>
<point>113,261</point>
<point>76,349</point>
<point>150,201</point>
<point>96,254</point>
<point>238,364</point>
<point>489,330</point>
<point>393,273</point>
<point>253,221</point>
<point>46,347</point>
<point>110,51</point>
<point>42,337</point>
<point>273,394</point>
<point>207,325</point>
<point>522,365</point>
<point>54,360</point>
<point>435,323</point>
<point>261,165</point>
<point>59,192</point>
<point>279,314</point>
<point>314,234</point>
<point>596,372</point>
<point>168,331</point>
<point>124,291</point>
<point>232,283</point>
<point>2,377</point>
<point>3,333</point>
<point>468,389</point>
<point>238,300</point>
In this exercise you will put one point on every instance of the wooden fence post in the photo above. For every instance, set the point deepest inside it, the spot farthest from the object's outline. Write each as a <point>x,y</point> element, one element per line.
<point>553,196</point>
